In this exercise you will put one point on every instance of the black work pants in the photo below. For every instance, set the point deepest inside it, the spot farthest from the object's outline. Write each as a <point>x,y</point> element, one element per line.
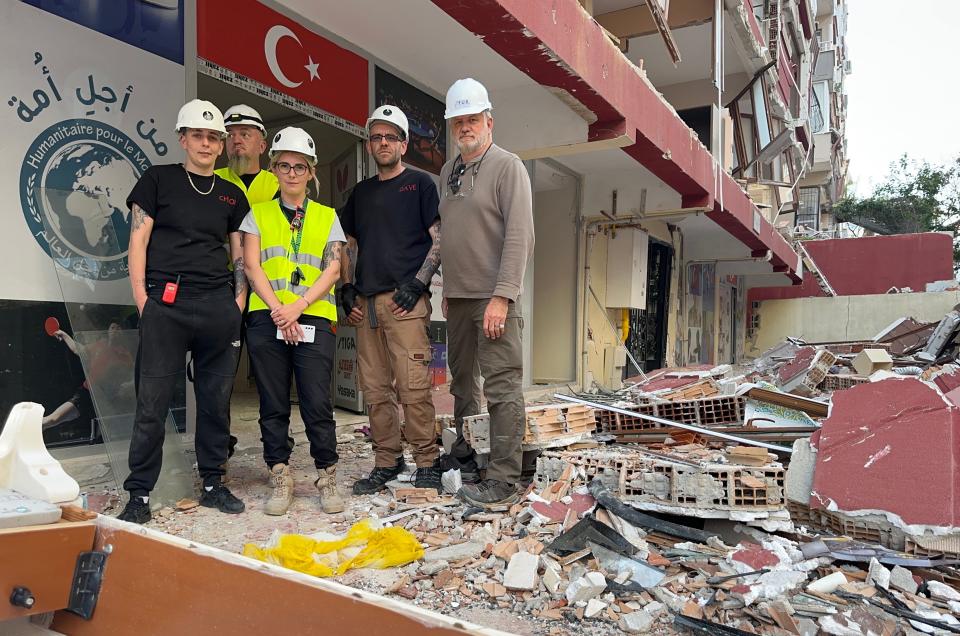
<point>311,364</point>
<point>207,324</point>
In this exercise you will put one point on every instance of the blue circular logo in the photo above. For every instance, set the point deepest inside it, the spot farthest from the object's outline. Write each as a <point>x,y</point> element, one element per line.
<point>74,183</point>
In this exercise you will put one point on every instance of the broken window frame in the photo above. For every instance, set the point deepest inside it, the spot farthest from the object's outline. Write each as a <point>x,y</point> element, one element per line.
<point>802,214</point>
<point>746,141</point>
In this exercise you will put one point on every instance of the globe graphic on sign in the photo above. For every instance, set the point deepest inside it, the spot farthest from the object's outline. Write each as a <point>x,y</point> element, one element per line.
<point>86,185</point>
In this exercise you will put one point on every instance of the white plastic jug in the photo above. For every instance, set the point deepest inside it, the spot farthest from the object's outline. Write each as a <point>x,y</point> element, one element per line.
<point>25,464</point>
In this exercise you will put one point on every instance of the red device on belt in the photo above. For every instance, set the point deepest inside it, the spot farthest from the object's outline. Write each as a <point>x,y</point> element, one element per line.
<point>170,291</point>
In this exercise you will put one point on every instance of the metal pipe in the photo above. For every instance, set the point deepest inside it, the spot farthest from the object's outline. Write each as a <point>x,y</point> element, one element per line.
<point>688,427</point>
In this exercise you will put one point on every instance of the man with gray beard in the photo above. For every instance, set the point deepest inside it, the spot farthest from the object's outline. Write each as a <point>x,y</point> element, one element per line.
<point>486,208</point>
<point>246,141</point>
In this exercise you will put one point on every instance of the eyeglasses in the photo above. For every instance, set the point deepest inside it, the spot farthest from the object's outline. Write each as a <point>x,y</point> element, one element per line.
<point>390,138</point>
<point>299,169</point>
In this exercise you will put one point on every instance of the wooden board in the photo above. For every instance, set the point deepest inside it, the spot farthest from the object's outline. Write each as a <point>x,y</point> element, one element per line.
<point>155,584</point>
<point>42,559</point>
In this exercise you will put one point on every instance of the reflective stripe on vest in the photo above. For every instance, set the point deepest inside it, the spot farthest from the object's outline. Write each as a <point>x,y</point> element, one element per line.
<point>277,259</point>
<point>263,187</point>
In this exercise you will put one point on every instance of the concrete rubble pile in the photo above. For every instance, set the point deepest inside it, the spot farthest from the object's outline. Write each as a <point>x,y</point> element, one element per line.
<point>589,550</point>
<point>812,491</point>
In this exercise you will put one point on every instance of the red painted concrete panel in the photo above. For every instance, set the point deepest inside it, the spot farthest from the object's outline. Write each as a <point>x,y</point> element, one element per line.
<point>558,45</point>
<point>800,363</point>
<point>891,445</point>
<point>872,265</point>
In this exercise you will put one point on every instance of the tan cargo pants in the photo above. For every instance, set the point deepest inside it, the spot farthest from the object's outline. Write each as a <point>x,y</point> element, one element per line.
<point>500,363</point>
<point>394,359</point>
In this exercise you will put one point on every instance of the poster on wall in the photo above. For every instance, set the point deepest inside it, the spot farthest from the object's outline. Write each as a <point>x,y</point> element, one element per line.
<point>708,289</point>
<point>86,115</point>
<point>93,91</point>
<point>427,146</point>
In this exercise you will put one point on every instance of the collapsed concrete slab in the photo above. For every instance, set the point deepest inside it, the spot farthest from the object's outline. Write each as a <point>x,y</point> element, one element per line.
<point>891,446</point>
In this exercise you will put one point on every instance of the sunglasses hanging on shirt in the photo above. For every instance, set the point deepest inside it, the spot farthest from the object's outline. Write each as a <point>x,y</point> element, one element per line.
<point>455,180</point>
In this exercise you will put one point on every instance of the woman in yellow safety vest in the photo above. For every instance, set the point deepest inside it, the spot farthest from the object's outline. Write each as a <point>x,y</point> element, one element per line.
<point>292,258</point>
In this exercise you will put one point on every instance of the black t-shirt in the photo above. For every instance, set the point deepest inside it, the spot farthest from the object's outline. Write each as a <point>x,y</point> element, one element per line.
<point>390,220</point>
<point>189,229</point>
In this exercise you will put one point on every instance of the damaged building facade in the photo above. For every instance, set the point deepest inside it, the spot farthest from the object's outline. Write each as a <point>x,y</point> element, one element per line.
<point>664,148</point>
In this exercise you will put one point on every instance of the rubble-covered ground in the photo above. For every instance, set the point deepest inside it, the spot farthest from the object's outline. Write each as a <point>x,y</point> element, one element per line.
<point>654,523</point>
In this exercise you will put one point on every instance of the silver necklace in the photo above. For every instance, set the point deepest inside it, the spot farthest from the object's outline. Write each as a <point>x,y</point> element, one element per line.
<point>190,179</point>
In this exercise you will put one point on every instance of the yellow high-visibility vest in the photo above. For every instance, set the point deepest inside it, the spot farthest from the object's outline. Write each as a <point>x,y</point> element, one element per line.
<point>279,262</point>
<point>263,187</point>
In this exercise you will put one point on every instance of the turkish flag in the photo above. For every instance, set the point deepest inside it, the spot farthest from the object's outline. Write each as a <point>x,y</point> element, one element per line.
<point>263,45</point>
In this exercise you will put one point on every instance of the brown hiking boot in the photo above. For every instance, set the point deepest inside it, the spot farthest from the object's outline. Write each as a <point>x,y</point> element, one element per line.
<point>282,495</point>
<point>326,483</point>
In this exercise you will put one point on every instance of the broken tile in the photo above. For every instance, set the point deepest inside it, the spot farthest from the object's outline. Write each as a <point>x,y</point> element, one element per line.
<point>521,572</point>
<point>878,575</point>
<point>494,589</point>
<point>452,553</point>
<point>588,586</point>
<point>594,607</point>
<point>636,622</point>
<point>901,579</point>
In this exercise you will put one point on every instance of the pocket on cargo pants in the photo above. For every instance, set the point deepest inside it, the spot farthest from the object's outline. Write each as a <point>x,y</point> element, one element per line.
<point>418,369</point>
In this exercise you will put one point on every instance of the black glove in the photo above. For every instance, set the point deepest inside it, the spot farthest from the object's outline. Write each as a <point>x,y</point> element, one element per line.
<point>348,298</point>
<point>408,294</point>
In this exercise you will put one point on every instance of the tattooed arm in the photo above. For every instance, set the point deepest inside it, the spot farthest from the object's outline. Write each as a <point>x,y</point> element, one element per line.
<point>240,285</point>
<point>432,262</point>
<point>348,260</point>
<point>141,226</point>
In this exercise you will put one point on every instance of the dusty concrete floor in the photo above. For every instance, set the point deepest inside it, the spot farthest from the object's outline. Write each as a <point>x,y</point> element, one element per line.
<point>247,479</point>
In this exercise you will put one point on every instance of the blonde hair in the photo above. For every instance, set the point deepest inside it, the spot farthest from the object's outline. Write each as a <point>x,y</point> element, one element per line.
<point>311,164</point>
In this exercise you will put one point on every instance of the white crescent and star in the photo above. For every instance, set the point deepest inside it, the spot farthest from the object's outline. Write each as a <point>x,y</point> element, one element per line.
<point>270,41</point>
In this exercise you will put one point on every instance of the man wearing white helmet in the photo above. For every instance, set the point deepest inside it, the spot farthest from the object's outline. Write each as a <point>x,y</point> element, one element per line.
<point>246,141</point>
<point>487,213</point>
<point>181,217</point>
<point>392,217</point>
<point>292,252</point>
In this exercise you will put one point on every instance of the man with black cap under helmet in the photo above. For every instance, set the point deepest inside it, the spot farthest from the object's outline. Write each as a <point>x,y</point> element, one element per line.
<point>393,219</point>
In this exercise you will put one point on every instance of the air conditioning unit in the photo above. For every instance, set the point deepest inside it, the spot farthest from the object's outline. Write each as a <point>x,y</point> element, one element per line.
<point>847,67</point>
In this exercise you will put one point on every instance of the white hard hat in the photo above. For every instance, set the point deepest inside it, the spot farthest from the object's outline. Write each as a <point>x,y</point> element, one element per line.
<point>243,114</point>
<point>291,139</point>
<point>466,97</point>
<point>199,113</point>
<point>390,115</point>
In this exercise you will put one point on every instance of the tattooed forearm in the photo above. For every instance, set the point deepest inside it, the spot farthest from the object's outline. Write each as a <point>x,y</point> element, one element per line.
<point>239,278</point>
<point>348,259</point>
<point>139,283</point>
<point>432,262</point>
<point>138,216</point>
<point>331,253</point>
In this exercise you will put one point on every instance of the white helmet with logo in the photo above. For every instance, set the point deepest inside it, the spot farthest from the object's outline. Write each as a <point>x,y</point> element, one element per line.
<point>241,114</point>
<point>390,115</point>
<point>199,113</point>
<point>466,97</point>
<point>291,139</point>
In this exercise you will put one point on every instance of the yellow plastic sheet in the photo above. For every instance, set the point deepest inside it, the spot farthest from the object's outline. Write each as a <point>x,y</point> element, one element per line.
<point>378,548</point>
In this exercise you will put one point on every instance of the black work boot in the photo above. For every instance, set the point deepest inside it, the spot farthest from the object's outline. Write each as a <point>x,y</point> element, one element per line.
<point>469,470</point>
<point>378,478</point>
<point>222,499</point>
<point>489,493</point>
<point>136,511</point>
<point>428,477</point>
